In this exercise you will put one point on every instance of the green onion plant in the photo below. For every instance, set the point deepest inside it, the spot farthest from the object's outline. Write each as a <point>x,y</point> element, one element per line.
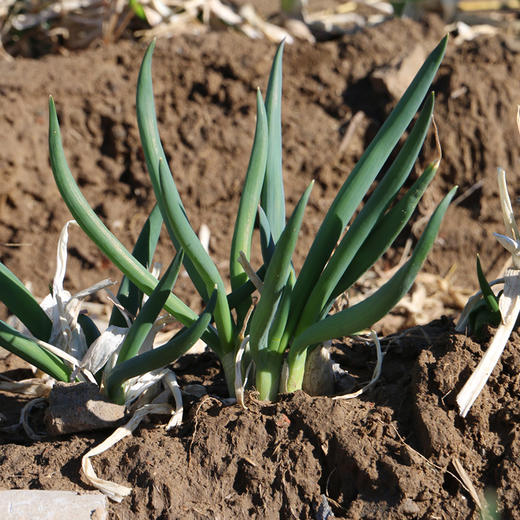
<point>68,346</point>
<point>293,314</point>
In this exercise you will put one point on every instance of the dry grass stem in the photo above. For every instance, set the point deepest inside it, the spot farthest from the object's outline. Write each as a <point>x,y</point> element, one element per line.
<point>375,374</point>
<point>509,304</point>
<point>467,481</point>
<point>117,492</point>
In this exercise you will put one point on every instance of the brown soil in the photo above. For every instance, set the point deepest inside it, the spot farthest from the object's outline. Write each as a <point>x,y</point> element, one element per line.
<point>274,460</point>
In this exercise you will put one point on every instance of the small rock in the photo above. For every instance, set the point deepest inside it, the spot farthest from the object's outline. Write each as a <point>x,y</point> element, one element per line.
<point>195,390</point>
<point>324,511</point>
<point>395,78</point>
<point>76,407</point>
<point>409,507</point>
<point>28,504</point>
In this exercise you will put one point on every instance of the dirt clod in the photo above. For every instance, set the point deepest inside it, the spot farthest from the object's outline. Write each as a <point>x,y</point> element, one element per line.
<point>78,407</point>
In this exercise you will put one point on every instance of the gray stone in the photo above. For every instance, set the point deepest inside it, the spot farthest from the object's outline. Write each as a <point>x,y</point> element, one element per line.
<point>30,504</point>
<point>395,78</point>
<point>409,507</point>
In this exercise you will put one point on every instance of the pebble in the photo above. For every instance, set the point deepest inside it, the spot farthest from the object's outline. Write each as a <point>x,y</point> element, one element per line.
<point>409,507</point>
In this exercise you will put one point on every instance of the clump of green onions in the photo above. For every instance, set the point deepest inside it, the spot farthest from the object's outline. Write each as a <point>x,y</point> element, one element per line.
<point>292,315</point>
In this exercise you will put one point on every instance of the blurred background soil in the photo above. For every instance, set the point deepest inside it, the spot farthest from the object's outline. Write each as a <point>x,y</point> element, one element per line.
<point>336,96</point>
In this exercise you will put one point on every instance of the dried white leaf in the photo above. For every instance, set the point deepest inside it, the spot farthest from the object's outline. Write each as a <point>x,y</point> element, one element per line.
<point>156,270</point>
<point>272,32</point>
<point>103,284</point>
<point>375,375</point>
<point>507,209</point>
<point>24,418</point>
<point>103,347</point>
<point>512,246</point>
<point>284,378</point>
<point>112,298</point>
<point>35,386</point>
<point>136,386</point>
<point>170,381</point>
<point>162,8</point>
<point>118,492</point>
<point>63,309</point>
<point>74,362</point>
<point>509,304</point>
<point>61,258</point>
<point>204,236</point>
<point>239,383</point>
<point>224,13</point>
<point>251,273</point>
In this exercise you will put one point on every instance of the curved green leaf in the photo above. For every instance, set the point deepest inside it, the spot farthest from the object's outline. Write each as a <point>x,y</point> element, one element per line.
<point>480,316</point>
<point>129,294</point>
<point>266,237</point>
<point>201,262</point>
<point>151,309</point>
<point>30,351</point>
<point>236,297</point>
<point>346,252</point>
<point>89,328</point>
<point>385,232</point>
<point>282,314</point>
<point>23,305</point>
<point>97,231</point>
<point>359,181</point>
<point>373,308</point>
<point>160,356</point>
<point>153,153</point>
<point>272,310</point>
<point>487,293</point>
<point>250,198</point>
<point>273,201</point>
<point>276,276</point>
<point>137,8</point>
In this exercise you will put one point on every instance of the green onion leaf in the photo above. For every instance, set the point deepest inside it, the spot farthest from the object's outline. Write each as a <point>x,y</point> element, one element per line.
<point>273,201</point>
<point>359,181</point>
<point>89,329</point>
<point>236,297</point>
<point>276,277</point>
<point>178,224</point>
<point>28,349</point>
<point>151,309</point>
<point>266,237</point>
<point>22,304</point>
<point>385,232</point>
<point>153,153</point>
<point>250,198</point>
<point>388,187</point>
<point>129,295</point>
<point>487,293</point>
<point>273,308</point>
<point>373,308</point>
<point>97,231</point>
<point>160,356</point>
